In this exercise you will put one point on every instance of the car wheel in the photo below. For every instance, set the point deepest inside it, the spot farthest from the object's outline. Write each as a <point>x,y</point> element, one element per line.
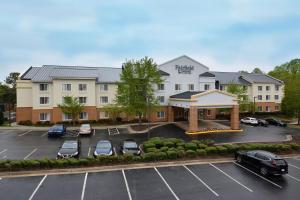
<point>239,159</point>
<point>263,171</point>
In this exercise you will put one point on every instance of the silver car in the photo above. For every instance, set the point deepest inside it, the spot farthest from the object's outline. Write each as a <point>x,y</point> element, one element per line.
<point>85,129</point>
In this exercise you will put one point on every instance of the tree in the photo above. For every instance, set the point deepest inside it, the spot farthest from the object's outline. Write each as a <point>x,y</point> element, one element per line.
<point>241,93</point>
<point>286,71</point>
<point>135,90</point>
<point>71,106</point>
<point>8,97</point>
<point>12,78</point>
<point>256,70</point>
<point>114,111</point>
<point>1,117</point>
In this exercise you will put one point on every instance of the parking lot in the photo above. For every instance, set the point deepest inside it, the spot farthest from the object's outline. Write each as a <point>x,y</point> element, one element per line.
<point>33,144</point>
<point>199,181</point>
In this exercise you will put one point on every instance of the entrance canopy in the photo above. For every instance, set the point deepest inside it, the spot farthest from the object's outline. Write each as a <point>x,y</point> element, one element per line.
<point>207,99</point>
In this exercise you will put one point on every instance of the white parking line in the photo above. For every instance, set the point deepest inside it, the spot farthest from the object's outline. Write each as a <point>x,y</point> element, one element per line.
<point>176,197</point>
<point>25,133</point>
<point>126,183</point>
<point>199,179</point>
<point>294,166</point>
<point>250,190</point>
<point>258,175</point>
<point>44,134</point>
<point>38,186</point>
<point>34,150</point>
<point>3,151</point>
<point>293,177</point>
<point>296,159</point>
<point>84,185</point>
<point>89,152</point>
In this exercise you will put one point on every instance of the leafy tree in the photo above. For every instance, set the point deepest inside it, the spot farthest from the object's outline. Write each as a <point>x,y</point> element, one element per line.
<point>241,93</point>
<point>286,71</point>
<point>114,110</point>
<point>256,70</point>
<point>1,117</point>
<point>12,78</point>
<point>8,97</point>
<point>135,90</point>
<point>71,106</point>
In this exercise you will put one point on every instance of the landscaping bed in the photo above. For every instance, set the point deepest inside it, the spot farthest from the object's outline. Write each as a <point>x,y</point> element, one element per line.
<point>155,149</point>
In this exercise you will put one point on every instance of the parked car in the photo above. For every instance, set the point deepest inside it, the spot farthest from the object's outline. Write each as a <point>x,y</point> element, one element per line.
<point>130,147</point>
<point>85,129</point>
<point>267,163</point>
<point>57,130</point>
<point>275,122</point>
<point>250,120</point>
<point>103,147</point>
<point>262,122</point>
<point>69,149</point>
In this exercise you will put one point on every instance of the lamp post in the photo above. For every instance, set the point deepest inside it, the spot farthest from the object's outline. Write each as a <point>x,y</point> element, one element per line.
<point>254,106</point>
<point>148,112</point>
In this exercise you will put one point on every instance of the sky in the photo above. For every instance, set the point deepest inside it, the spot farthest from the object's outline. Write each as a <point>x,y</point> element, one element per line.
<point>225,35</point>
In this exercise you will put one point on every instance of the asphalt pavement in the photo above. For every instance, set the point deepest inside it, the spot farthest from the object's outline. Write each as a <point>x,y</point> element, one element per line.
<point>211,181</point>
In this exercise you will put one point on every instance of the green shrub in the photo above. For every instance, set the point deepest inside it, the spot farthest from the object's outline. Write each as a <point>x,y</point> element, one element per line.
<point>295,146</point>
<point>231,148</point>
<point>221,149</point>
<point>137,158</point>
<point>157,141</point>
<point>181,153</point>
<point>147,145</point>
<point>201,152</point>
<point>172,154</point>
<point>168,144</point>
<point>16,164</point>
<point>211,150</point>
<point>202,146</point>
<point>149,156</point>
<point>191,153</point>
<point>164,149</point>
<point>83,161</point>
<point>180,148</point>
<point>161,155</point>
<point>208,142</point>
<point>190,146</point>
<point>180,144</point>
<point>151,150</point>
<point>196,142</point>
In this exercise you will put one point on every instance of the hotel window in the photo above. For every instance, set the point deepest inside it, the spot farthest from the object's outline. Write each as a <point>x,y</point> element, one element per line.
<point>44,117</point>
<point>160,86</point>
<point>103,87</point>
<point>259,97</point>
<point>259,108</point>
<point>66,87</point>
<point>259,88</point>
<point>276,108</point>
<point>67,117</point>
<point>43,87</point>
<point>206,87</point>
<point>177,87</point>
<point>83,116</point>
<point>267,97</point>
<point>44,100</point>
<point>82,99</point>
<point>276,97</point>
<point>104,115</point>
<point>103,99</point>
<point>160,114</point>
<point>161,99</point>
<point>267,88</point>
<point>277,87</point>
<point>268,108</point>
<point>191,87</point>
<point>82,87</point>
<point>208,112</point>
<point>221,87</point>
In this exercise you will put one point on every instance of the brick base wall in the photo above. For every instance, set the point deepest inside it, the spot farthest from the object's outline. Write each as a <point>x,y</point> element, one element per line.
<point>264,104</point>
<point>23,114</point>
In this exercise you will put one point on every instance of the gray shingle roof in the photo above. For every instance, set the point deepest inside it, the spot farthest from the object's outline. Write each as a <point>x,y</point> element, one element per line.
<point>260,78</point>
<point>49,72</point>
<point>207,74</point>
<point>185,95</point>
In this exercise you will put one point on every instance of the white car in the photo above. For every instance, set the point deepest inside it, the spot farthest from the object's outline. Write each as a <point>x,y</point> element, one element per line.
<point>250,120</point>
<point>85,129</point>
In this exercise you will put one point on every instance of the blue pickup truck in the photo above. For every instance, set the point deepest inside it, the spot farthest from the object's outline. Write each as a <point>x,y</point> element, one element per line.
<point>57,130</point>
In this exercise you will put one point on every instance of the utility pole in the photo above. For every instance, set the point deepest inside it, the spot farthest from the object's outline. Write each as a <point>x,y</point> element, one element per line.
<point>254,106</point>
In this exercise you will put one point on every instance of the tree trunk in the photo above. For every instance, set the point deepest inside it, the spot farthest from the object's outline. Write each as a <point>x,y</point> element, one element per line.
<point>140,118</point>
<point>9,123</point>
<point>299,118</point>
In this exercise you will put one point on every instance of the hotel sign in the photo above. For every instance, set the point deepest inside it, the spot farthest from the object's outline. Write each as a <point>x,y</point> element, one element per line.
<point>184,69</point>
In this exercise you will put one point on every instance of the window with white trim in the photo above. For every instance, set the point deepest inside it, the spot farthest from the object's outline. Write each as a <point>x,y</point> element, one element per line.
<point>276,97</point>
<point>66,117</point>
<point>103,87</point>
<point>208,113</point>
<point>83,116</point>
<point>44,116</point>
<point>104,115</point>
<point>160,114</point>
<point>267,97</point>
<point>267,88</point>
<point>161,99</point>
<point>222,87</point>
<point>43,87</point>
<point>44,100</point>
<point>104,99</point>
<point>277,87</point>
<point>66,87</point>
<point>177,87</point>
<point>259,97</point>
<point>259,88</point>
<point>82,99</point>
<point>259,108</point>
<point>276,108</point>
<point>161,86</point>
<point>82,87</point>
<point>191,87</point>
<point>268,108</point>
<point>206,87</point>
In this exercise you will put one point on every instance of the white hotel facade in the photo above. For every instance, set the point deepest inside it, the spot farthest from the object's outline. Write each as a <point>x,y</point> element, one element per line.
<point>187,84</point>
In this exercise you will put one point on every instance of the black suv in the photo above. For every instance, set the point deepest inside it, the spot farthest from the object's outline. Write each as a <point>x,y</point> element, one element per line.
<point>69,149</point>
<point>130,147</point>
<point>275,122</point>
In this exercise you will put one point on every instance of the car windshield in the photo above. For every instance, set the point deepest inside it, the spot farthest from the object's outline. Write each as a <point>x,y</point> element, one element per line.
<point>130,145</point>
<point>103,145</point>
<point>56,127</point>
<point>69,145</point>
<point>85,126</point>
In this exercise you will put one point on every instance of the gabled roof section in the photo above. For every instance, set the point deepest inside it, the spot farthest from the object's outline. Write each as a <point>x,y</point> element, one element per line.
<point>184,56</point>
<point>185,95</point>
<point>261,78</point>
<point>230,78</point>
<point>163,73</point>
<point>30,73</point>
<point>207,74</point>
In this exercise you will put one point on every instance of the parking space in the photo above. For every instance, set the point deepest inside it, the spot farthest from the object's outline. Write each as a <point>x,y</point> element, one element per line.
<point>199,181</point>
